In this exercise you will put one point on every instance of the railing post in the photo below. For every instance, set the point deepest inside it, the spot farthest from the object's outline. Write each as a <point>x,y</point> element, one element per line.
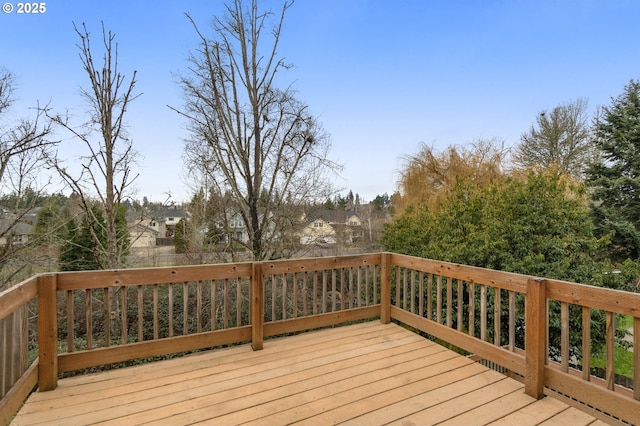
<point>47,333</point>
<point>385,288</point>
<point>535,337</point>
<point>257,306</point>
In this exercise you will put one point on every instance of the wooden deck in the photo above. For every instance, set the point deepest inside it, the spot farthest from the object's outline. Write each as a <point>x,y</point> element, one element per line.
<point>362,374</point>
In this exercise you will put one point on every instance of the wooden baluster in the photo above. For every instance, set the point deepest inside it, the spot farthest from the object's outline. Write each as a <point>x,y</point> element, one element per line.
<point>359,285</point>
<point>155,312</point>
<point>107,317</point>
<point>460,303</point>
<point>430,296</point>
<point>70,334</point>
<point>374,272</point>
<point>497,313</point>
<point>294,313</point>
<point>225,304</point>
<point>472,309</point>
<point>238,302</point>
<point>421,294</point>
<point>512,320</point>
<point>449,301</point>
<point>199,306</point>
<point>214,316</point>
<point>586,343</point>
<point>334,290</point>
<point>413,291</point>
<point>483,312</point>
<point>610,343</point>
<point>439,299</point>
<point>398,286</point>
<point>564,336</point>
<point>324,291</point>
<point>405,284</point>
<point>367,297</point>
<point>140,314</point>
<point>315,292</point>
<point>284,296</point>
<point>274,298</point>
<point>170,309</point>
<point>88,318</point>
<point>351,295</point>
<point>636,358</point>
<point>123,314</point>
<point>185,308</point>
<point>305,295</point>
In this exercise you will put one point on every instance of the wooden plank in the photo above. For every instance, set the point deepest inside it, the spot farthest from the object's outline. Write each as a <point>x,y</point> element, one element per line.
<point>443,390</point>
<point>571,416</point>
<point>17,296</point>
<point>360,374</point>
<point>606,299</point>
<point>533,414</point>
<point>102,356</point>
<point>492,410</point>
<point>18,393</point>
<point>594,395</point>
<point>493,278</point>
<point>276,328</point>
<point>128,277</point>
<point>218,382</point>
<point>466,400</point>
<point>320,263</point>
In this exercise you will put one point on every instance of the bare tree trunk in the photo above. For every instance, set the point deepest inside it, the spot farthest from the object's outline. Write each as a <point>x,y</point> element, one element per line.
<point>105,173</point>
<point>255,143</point>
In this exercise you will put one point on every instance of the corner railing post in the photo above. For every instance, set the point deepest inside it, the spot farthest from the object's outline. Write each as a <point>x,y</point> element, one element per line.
<point>385,288</point>
<point>257,306</point>
<point>535,337</point>
<point>47,333</point>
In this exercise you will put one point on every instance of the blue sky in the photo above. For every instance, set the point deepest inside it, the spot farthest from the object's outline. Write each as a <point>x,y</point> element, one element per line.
<point>383,76</point>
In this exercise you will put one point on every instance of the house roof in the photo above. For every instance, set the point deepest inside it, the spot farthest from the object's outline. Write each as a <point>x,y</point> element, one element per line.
<point>333,217</point>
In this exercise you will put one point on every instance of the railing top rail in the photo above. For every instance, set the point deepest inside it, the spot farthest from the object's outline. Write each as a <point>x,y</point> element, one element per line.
<point>18,295</point>
<point>319,263</point>
<point>499,279</point>
<point>126,277</point>
<point>607,299</point>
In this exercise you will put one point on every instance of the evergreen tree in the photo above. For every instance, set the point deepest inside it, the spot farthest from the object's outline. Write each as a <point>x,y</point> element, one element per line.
<point>79,252</point>
<point>615,176</point>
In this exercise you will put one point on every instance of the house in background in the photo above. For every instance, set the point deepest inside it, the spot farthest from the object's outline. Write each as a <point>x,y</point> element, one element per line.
<point>326,227</point>
<point>155,227</point>
<point>12,232</point>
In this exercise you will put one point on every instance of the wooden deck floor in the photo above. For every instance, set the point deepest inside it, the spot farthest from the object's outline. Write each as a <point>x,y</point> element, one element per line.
<point>364,374</point>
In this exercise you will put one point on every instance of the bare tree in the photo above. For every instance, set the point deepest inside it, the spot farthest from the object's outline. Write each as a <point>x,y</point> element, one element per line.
<point>255,142</point>
<point>105,173</point>
<point>23,149</point>
<point>559,140</point>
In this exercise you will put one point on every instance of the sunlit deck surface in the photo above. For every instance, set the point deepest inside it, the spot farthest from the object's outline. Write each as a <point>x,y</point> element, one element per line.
<point>364,374</point>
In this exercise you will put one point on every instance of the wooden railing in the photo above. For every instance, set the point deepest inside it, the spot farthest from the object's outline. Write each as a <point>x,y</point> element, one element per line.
<point>89,319</point>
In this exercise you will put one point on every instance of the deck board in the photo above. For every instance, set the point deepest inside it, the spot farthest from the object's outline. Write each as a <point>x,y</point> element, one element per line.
<point>362,374</point>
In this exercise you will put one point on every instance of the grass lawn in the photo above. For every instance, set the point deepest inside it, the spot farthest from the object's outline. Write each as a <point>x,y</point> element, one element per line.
<point>623,358</point>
